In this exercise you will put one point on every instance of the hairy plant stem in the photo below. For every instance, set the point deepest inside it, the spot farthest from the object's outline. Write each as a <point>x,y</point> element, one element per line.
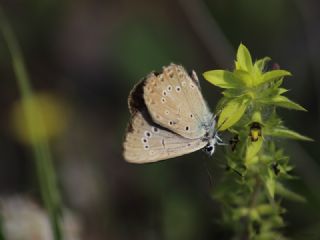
<point>252,202</point>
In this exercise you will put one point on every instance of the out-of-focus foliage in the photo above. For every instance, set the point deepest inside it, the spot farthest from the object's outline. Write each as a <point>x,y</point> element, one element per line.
<point>88,55</point>
<point>53,114</point>
<point>22,218</point>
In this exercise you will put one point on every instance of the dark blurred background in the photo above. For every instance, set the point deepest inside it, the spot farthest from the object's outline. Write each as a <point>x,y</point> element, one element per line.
<point>84,56</point>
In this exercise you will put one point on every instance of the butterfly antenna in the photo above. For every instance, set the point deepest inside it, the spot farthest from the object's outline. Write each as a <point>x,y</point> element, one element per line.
<point>216,117</point>
<point>218,128</point>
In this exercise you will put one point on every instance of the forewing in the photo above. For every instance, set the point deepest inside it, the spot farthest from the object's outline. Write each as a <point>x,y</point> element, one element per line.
<point>174,101</point>
<point>147,142</point>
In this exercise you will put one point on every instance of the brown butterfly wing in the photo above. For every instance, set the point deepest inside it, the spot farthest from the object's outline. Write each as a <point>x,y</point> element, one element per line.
<point>174,101</point>
<point>147,141</point>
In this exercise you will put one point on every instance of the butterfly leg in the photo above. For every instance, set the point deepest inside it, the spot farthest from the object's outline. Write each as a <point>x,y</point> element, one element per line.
<point>219,141</point>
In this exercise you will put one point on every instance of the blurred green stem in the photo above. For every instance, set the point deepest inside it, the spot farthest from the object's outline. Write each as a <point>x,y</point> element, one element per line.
<point>1,229</point>
<point>42,156</point>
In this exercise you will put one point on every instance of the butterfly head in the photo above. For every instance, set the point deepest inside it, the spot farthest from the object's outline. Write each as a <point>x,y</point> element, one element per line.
<point>211,146</point>
<point>212,137</point>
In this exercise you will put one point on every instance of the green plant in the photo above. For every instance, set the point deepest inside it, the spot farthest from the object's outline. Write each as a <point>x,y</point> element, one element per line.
<point>251,189</point>
<point>40,147</point>
<point>1,230</point>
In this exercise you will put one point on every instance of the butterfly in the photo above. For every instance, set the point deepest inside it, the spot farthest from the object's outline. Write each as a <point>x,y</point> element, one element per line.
<point>170,118</point>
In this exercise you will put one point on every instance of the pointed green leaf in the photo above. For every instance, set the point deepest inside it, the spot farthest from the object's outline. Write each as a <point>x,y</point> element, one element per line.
<point>278,83</point>
<point>232,113</point>
<point>244,60</point>
<point>222,78</point>
<point>232,92</point>
<point>252,149</point>
<point>261,63</point>
<point>270,183</point>
<point>283,101</point>
<point>286,193</point>
<point>274,75</point>
<point>282,90</point>
<point>221,103</point>
<point>286,133</point>
<point>246,78</point>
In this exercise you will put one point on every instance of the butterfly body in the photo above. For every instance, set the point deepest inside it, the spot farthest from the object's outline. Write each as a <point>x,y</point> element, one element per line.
<point>170,118</point>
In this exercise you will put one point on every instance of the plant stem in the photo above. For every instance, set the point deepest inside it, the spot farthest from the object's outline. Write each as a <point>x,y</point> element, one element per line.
<point>1,229</point>
<point>41,151</point>
<point>252,203</point>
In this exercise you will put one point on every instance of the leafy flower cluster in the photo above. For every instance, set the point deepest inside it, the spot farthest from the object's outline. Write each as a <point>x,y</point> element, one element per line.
<point>248,111</point>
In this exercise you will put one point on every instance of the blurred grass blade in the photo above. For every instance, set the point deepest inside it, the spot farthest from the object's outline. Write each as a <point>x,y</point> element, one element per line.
<point>2,237</point>
<point>41,151</point>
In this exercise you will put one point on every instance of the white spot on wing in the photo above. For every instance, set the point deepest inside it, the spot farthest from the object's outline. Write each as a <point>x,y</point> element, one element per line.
<point>154,129</point>
<point>148,134</point>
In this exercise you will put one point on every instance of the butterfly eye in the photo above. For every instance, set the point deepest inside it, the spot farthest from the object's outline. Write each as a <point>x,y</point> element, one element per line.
<point>209,148</point>
<point>169,88</point>
<point>164,93</point>
<point>178,88</point>
<point>163,100</point>
<point>187,128</point>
